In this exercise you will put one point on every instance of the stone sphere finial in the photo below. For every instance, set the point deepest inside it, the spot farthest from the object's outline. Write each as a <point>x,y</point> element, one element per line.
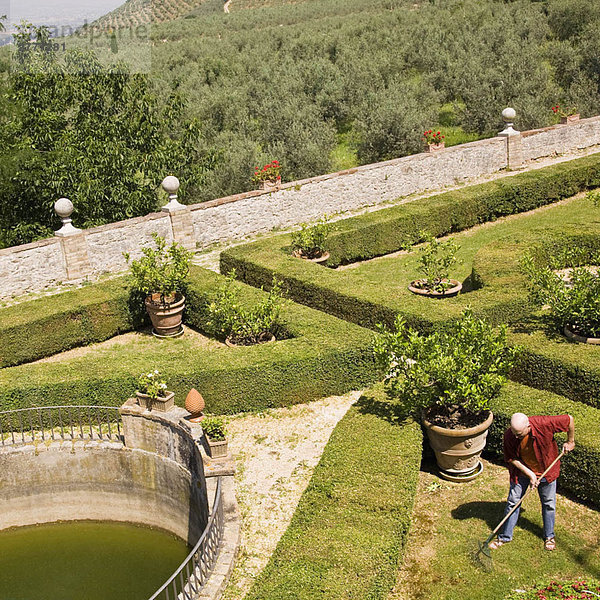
<point>171,185</point>
<point>63,207</point>
<point>509,114</point>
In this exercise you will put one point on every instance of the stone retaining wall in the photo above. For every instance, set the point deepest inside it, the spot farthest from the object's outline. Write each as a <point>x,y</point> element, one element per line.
<point>36,266</point>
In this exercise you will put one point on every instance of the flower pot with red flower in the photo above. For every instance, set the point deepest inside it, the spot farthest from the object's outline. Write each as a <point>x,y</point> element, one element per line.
<point>268,176</point>
<point>566,115</point>
<point>160,275</point>
<point>434,140</point>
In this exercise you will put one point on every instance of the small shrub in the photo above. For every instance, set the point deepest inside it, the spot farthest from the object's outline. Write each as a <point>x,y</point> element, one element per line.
<point>228,319</point>
<point>578,589</point>
<point>161,270</point>
<point>214,428</point>
<point>309,240</point>
<point>572,302</point>
<point>454,371</point>
<point>436,258</point>
<point>594,196</point>
<point>152,384</point>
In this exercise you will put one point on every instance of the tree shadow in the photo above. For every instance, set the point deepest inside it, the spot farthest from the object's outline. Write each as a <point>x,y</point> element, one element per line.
<point>389,410</point>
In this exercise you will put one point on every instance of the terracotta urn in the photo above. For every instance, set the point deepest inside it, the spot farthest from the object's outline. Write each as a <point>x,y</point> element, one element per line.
<point>318,260</point>
<point>457,451</point>
<point>419,286</point>
<point>194,404</point>
<point>166,317</point>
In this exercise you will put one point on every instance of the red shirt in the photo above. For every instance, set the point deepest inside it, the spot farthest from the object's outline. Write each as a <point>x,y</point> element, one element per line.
<point>543,429</point>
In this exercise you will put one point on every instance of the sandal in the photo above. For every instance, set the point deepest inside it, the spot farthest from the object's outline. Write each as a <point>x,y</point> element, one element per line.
<point>495,544</point>
<point>550,544</point>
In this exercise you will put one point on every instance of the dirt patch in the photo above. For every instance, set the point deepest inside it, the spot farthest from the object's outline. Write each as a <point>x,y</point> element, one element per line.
<point>276,453</point>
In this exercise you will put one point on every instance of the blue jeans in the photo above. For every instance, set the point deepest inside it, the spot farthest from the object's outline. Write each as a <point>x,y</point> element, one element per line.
<point>547,493</point>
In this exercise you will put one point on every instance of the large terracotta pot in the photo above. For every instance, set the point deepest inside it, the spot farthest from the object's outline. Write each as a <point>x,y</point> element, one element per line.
<point>166,317</point>
<point>457,451</point>
<point>319,260</point>
<point>415,288</point>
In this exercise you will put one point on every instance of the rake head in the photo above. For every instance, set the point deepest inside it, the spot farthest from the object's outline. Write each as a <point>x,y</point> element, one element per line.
<point>482,556</point>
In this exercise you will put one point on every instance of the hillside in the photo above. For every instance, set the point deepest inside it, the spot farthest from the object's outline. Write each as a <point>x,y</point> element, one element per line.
<point>137,12</point>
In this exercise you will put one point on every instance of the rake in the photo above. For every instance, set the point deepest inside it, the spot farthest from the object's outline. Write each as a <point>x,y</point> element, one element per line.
<point>484,547</point>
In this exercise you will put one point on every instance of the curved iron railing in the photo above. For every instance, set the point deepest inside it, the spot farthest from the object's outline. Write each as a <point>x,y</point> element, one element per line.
<point>53,423</point>
<point>190,577</point>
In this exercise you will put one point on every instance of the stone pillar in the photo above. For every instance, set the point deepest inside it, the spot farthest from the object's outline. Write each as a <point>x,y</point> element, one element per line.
<point>514,141</point>
<point>73,243</point>
<point>182,225</point>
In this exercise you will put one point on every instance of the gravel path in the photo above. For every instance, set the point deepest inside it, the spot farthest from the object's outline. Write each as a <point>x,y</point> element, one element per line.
<point>276,453</point>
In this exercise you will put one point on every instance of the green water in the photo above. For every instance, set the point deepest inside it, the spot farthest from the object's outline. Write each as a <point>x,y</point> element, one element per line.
<point>86,560</point>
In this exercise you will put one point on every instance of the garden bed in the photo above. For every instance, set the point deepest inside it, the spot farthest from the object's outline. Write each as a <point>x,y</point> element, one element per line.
<point>305,366</point>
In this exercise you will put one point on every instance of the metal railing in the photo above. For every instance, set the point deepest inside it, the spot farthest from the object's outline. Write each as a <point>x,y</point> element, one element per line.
<point>54,423</point>
<point>191,575</point>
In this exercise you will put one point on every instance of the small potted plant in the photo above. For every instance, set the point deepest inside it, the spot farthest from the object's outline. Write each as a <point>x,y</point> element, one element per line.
<point>152,392</point>
<point>215,433</point>
<point>434,140</point>
<point>572,299</point>
<point>309,241</point>
<point>566,114</point>
<point>242,325</point>
<point>160,275</point>
<point>436,258</point>
<point>448,379</point>
<point>268,176</point>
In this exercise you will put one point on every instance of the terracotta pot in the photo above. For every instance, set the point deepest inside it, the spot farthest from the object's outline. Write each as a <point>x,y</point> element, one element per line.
<point>159,404</point>
<point>422,291</point>
<point>166,317</point>
<point>433,148</point>
<point>216,449</point>
<point>268,338</point>
<point>569,119</point>
<point>270,184</point>
<point>580,338</point>
<point>457,451</point>
<point>320,259</point>
<point>194,404</point>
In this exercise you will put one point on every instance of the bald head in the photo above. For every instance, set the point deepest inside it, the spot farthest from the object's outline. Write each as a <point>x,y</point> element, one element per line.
<point>519,424</point>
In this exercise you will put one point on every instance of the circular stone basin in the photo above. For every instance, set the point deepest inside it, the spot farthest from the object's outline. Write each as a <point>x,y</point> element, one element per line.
<point>87,560</point>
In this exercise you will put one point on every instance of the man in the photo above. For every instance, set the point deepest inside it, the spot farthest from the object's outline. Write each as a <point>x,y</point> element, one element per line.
<point>529,449</point>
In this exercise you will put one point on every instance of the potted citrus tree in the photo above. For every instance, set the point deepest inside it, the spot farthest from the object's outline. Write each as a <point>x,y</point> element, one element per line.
<point>570,297</point>
<point>447,379</point>
<point>309,241</point>
<point>152,392</point>
<point>244,325</point>
<point>436,258</point>
<point>160,275</point>
<point>215,433</point>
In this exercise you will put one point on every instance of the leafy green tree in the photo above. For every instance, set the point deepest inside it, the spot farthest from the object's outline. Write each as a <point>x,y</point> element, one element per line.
<point>92,133</point>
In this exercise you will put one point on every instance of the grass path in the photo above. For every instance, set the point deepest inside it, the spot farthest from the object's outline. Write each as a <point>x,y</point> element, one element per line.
<point>450,518</point>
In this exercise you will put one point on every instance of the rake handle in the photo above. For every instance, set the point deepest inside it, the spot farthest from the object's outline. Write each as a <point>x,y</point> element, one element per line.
<point>512,510</point>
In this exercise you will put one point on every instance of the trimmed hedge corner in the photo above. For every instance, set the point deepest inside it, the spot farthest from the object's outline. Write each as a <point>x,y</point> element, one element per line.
<point>37,328</point>
<point>348,534</point>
